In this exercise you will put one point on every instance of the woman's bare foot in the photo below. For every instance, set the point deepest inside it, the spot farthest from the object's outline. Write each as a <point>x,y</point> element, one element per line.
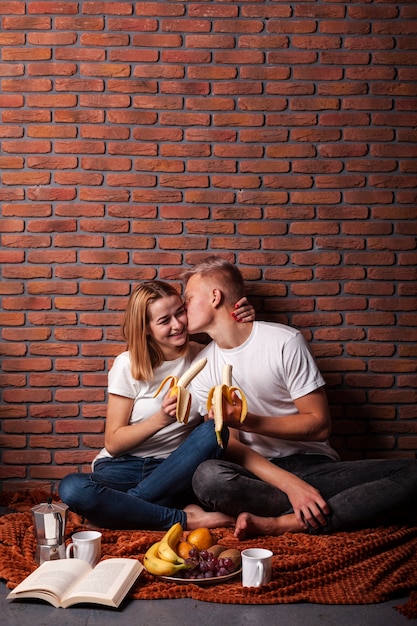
<point>199,518</point>
<point>249,525</point>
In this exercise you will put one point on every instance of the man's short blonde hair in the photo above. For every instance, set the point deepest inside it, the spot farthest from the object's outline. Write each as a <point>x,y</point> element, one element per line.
<point>230,280</point>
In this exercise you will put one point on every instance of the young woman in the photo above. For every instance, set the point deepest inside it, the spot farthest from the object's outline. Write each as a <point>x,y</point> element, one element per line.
<point>142,477</point>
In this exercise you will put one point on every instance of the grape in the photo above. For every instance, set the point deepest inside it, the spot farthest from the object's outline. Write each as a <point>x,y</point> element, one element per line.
<point>229,565</point>
<point>203,564</point>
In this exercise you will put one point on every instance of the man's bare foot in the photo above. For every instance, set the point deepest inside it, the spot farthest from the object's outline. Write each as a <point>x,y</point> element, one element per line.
<point>199,518</point>
<point>249,525</point>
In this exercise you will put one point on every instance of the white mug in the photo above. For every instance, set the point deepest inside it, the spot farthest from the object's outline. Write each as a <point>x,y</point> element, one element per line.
<point>256,567</point>
<point>85,545</point>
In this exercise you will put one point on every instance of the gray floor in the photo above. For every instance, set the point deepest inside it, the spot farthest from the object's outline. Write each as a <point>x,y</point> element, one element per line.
<point>185,611</point>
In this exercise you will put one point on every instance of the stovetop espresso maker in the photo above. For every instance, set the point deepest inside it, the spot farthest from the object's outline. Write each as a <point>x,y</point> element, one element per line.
<point>49,519</point>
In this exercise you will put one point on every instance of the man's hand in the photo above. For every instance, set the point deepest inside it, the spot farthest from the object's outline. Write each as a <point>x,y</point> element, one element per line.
<point>309,507</point>
<point>231,412</point>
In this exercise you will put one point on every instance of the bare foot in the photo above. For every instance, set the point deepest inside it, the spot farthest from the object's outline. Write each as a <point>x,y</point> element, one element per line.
<point>249,525</point>
<point>199,518</point>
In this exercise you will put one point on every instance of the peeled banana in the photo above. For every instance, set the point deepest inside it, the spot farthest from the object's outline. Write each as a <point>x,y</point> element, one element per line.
<point>168,542</point>
<point>178,388</point>
<point>157,566</point>
<point>215,400</point>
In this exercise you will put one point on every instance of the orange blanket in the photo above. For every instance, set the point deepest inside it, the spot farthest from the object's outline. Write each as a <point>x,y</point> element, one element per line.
<point>361,567</point>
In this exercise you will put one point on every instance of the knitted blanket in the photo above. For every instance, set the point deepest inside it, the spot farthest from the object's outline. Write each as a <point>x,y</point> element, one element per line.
<point>359,567</point>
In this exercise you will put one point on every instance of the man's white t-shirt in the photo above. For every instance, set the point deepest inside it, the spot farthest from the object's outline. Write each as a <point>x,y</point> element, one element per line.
<point>121,383</point>
<point>273,367</point>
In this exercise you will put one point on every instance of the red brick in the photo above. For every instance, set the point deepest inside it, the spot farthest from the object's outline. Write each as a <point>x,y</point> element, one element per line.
<point>26,457</point>
<point>11,472</point>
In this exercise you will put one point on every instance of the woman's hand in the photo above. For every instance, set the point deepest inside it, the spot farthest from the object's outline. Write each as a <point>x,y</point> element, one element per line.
<point>244,311</point>
<point>169,408</point>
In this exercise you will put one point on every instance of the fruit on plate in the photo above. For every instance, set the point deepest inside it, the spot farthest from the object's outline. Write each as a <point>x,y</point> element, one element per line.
<point>224,393</point>
<point>161,558</point>
<point>232,554</point>
<point>204,564</point>
<point>216,550</point>
<point>183,549</point>
<point>157,566</point>
<point>168,543</point>
<point>195,557</point>
<point>201,538</point>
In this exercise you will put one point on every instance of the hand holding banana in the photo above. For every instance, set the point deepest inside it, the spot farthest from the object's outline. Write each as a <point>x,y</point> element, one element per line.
<point>178,388</point>
<point>221,395</point>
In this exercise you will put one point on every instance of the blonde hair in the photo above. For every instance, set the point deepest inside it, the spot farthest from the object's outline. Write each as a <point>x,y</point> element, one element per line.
<point>228,275</point>
<point>145,354</point>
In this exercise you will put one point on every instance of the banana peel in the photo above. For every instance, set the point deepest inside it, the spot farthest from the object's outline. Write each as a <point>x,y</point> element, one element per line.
<point>224,393</point>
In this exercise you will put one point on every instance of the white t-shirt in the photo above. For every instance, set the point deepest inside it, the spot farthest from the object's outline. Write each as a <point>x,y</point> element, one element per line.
<point>273,367</point>
<point>121,383</point>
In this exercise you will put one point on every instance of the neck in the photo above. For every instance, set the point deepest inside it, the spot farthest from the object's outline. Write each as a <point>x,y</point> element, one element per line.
<point>228,333</point>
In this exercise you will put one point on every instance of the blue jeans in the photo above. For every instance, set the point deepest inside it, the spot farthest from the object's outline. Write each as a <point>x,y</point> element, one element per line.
<point>130,492</point>
<point>357,492</point>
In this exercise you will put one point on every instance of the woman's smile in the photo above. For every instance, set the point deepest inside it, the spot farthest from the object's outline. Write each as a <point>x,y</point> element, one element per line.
<point>168,324</point>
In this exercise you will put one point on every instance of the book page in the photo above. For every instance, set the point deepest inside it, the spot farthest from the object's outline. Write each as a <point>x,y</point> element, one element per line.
<point>55,577</point>
<point>111,579</point>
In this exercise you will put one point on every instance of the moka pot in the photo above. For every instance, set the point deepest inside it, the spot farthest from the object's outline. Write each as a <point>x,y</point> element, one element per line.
<point>49,526</point>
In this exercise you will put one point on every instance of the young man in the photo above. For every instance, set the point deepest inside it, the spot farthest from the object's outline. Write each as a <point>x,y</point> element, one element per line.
<point>288,423</point>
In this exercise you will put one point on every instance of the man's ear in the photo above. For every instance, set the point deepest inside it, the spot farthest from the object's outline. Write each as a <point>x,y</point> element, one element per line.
<point>217,297</point>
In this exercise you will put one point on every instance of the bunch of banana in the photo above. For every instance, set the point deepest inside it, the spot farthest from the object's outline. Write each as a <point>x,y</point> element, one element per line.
<point>178,388</point>
<point>224,392</point>
<point>154,565</point>
<point>161,558</point>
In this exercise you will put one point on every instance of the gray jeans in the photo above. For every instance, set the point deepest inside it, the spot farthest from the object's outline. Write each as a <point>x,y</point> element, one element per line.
<point>357,492</point>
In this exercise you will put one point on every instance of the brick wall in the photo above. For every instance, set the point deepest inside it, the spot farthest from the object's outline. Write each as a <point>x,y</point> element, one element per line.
<point>138,136</point>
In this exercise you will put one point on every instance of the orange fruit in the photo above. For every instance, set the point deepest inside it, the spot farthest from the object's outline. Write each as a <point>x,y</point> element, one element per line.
<point>201,538</point>
<point>183,549</point>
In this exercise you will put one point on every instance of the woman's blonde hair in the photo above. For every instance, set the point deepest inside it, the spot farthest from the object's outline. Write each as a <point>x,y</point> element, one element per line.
<point>145,354</point>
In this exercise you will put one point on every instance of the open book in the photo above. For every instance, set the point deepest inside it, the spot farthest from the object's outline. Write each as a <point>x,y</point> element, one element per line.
<point>65,582</point>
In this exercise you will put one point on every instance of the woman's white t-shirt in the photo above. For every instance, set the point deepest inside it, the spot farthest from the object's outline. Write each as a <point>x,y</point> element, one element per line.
<point>121,383</point>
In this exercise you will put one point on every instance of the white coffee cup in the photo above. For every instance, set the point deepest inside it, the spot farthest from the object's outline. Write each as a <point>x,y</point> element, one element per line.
<point>85,545</point>
<point>256,567</point>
